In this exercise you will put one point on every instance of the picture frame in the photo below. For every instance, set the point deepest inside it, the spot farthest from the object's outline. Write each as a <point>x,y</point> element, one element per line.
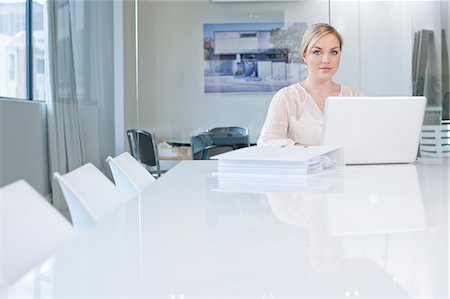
<point>252,57</point>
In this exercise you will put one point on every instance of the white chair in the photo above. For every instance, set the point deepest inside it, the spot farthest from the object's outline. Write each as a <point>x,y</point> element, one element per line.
<point>129,175</point>
<point>31,230</point>
<point>89,195</point>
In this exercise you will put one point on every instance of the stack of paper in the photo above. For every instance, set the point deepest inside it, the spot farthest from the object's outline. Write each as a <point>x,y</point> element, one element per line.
<point>259,183</point>
<point>279,161</point>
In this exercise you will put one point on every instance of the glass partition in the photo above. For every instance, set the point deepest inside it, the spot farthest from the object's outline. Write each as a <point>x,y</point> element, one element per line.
<point>174,73</point>
<point>173,52</point>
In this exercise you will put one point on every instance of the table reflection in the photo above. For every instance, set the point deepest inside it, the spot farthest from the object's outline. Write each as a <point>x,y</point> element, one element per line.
<point>362,199</point>
<point>254,183</point>
<point>376,199</point>
<point>325,252</point>
<point>360,219</point>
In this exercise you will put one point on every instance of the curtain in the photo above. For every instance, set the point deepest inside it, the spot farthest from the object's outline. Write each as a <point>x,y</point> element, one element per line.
<point>66,151</point>
<point>64,131</point>
<point>80,86</point>
<point>100,47</point>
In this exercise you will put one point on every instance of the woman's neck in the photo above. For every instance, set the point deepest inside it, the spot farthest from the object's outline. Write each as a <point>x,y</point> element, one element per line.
<point>312,84</point>
<point>320,90</point>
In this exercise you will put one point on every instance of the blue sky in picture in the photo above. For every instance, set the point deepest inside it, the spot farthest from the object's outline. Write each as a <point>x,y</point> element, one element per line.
<point>208,29</point>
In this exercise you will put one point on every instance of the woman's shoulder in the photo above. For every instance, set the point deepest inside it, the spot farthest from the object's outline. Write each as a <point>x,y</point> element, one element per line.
<point>293,92</point>
<point>348,91</point>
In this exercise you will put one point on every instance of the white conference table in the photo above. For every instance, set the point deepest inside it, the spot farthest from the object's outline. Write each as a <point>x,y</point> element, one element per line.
<point>362,232</point>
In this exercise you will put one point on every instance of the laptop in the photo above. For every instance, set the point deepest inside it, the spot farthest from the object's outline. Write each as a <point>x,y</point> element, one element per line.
<point>374,130</point>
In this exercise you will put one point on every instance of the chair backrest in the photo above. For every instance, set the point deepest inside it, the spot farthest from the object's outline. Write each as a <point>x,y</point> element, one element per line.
<point>144,148</point>
<point>31,230</point>
<point>129,175</point>
<point>199,141</point>
<point>89,195</point>
<point>231,131</point>
<point>218,140</point>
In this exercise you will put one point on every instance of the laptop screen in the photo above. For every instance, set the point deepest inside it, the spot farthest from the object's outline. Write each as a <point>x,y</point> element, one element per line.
<point>374,130</point>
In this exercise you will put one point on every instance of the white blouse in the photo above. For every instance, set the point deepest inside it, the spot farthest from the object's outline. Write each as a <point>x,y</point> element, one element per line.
<point>294,117</point>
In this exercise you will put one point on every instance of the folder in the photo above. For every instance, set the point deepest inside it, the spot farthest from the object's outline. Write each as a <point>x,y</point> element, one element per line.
<point>280,161</point>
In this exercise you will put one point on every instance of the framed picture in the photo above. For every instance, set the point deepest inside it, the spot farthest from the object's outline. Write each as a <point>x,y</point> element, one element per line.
<point>252,57</point>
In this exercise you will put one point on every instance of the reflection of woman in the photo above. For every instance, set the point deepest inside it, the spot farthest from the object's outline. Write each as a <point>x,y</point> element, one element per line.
<point>325,252</point>
<point>295,114</point>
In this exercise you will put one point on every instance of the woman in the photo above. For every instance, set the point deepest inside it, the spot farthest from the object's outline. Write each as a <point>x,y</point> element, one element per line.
<point>295,114</point>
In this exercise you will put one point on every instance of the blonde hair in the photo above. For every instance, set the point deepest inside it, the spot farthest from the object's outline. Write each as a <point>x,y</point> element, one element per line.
<point>314,33</point>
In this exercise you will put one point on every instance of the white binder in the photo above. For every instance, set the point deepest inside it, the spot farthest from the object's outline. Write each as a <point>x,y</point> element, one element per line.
<point>280,161</point>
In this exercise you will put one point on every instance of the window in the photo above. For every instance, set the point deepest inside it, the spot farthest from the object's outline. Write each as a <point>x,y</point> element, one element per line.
<point>38,54</point>
<point>22,49</point>
<point>12,67</point>
<point>40,66</point>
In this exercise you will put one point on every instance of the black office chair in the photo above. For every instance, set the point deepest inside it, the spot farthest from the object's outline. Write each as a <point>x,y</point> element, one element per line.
<point>231,131</point>
<point>218,140</point>
<point>144,148</point>
<point>236,137</point>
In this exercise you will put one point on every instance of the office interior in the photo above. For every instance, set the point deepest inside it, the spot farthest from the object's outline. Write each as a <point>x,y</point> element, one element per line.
<point>149,57</point>
<point>140,64</point>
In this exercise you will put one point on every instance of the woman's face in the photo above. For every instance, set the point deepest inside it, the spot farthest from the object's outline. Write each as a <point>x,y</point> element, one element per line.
<point>323,58</point>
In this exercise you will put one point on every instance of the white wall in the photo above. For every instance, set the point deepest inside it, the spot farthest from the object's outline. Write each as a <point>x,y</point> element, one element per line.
<point>378,45</point>
<point>344,17</point>
<point>23,144</point>
<point>381,35</point>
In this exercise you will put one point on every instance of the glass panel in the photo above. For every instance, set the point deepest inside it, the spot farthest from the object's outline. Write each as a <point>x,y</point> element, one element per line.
<point>211,64</point>
<point>445,35</point>
<point>38,50</point>
<point>397,48</point>
<point>429,53</point>
<point>13,49</point>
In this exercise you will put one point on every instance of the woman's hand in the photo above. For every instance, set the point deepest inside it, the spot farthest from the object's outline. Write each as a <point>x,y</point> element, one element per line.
<point>298,144</point>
